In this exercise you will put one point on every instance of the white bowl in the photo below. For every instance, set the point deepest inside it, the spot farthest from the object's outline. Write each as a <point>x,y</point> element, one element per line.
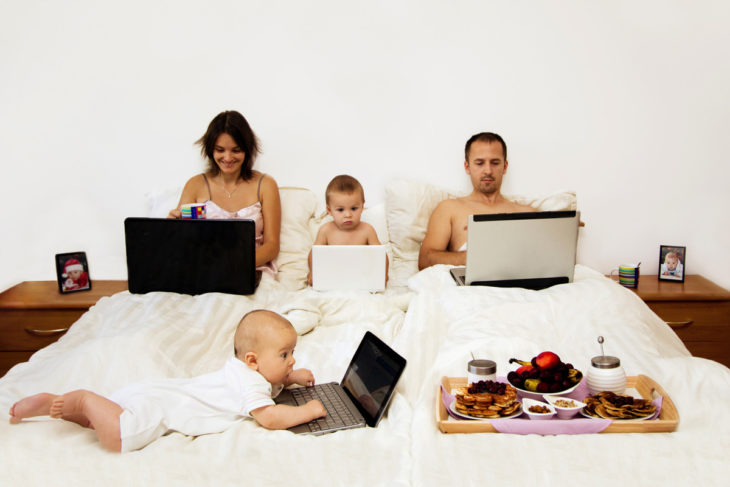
<point>564,412</point>
<point>527,403</point>
<point>523,393</point>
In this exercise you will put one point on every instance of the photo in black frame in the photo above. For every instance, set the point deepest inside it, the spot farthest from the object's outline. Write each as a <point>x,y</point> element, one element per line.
<point>672,263</point>
<point>72,272</point>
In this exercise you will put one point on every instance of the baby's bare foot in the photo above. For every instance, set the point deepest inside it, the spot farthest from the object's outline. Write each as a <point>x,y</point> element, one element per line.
<point>31,406</point>
<point>56,410</point>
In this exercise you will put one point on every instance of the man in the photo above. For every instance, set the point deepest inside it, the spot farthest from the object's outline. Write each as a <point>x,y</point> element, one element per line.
<point>485,163</point>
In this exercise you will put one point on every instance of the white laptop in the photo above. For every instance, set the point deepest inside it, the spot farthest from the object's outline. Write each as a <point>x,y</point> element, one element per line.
<point>528,250</point>
<point>348,267</point>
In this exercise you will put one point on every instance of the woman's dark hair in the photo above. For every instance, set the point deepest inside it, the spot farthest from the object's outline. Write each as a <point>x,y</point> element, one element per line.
<point>234,124</point>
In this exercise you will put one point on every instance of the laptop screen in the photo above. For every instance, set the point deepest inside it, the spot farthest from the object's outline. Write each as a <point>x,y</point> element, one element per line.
<point>348,267</point>
<point>371,377</point>
<point>531,250</point>
<point>190,256</point>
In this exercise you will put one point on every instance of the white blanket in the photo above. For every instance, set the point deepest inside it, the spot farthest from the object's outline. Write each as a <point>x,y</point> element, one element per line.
<point>126,337</point>
<point>446,323</point>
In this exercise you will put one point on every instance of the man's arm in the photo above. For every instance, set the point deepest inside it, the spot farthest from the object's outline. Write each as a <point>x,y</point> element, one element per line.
<point>434,248</point>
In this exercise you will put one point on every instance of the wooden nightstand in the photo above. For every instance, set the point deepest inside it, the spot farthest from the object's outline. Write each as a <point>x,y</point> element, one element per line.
<point>698,310</point>
<point>34,314</point>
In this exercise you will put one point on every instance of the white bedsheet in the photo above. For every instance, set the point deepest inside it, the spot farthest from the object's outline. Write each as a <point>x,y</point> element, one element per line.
<point>126,338</point>
<point>503,323</point>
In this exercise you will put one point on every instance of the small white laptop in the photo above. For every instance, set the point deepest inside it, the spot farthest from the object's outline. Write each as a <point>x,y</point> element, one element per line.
<point>528,250</point>
<point>348,267</point>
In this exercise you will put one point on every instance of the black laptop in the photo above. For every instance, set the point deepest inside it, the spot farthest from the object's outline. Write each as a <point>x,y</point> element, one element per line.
<point>363,395</point>
<point>191,256</point>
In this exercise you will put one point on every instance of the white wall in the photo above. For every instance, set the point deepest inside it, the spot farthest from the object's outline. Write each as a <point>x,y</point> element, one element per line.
<point>625,102</point>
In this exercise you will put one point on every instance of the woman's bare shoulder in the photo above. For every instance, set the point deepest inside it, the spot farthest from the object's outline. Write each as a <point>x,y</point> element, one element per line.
<point>197,181</point>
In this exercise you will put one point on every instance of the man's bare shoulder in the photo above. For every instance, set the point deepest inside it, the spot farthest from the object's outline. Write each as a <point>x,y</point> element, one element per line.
<point>451,205</point>
<point>519,208</point>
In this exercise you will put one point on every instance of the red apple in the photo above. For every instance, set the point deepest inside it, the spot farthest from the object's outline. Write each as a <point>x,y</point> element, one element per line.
<point>525,368</point>
<point>547,360</point>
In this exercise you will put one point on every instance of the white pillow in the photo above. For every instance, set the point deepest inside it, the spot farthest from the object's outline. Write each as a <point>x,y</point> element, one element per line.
<point>409,205</point>
<point>298,210</point>
<point>160,202</point>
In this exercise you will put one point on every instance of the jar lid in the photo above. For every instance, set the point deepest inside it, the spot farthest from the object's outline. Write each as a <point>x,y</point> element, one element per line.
<point>482,367</point>
<point>605,362</point>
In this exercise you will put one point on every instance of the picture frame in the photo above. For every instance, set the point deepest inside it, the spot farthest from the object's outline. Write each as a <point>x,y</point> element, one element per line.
<point>72,272</point>
<point>672,263</point>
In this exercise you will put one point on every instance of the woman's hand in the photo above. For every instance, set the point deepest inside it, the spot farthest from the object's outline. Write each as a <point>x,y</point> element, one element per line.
<point>176,213</point>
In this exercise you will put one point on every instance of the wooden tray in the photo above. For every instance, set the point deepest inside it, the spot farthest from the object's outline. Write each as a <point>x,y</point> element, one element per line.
<point>667,421</point>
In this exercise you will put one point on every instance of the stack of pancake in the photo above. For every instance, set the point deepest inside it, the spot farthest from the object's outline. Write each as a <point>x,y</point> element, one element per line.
<point>609,405</point>
<point>487,404</point>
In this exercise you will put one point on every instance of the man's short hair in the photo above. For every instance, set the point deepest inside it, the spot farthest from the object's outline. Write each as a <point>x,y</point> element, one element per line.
<point>489,137</point>
<point>343,184</point>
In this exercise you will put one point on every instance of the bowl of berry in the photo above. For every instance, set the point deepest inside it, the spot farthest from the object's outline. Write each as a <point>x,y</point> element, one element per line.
<point>544,374</point>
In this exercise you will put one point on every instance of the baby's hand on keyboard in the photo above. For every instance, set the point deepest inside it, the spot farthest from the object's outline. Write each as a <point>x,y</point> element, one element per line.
<point>316,408</point>
<point>303,377</point>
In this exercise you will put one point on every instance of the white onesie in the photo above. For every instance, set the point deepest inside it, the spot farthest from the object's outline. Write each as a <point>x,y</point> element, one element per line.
<point>209,403</point>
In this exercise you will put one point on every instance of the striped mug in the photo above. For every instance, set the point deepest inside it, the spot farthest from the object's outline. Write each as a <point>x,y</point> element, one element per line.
<point>628,275</point>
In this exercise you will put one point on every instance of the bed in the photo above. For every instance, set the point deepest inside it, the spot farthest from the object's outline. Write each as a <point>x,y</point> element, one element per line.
<point>426,318</point>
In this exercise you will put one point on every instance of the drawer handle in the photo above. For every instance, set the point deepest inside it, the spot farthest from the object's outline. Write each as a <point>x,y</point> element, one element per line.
<point>46,333</point>
<point>676,325</point>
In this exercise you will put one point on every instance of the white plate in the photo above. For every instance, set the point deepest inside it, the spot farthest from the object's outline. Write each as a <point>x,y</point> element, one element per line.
<point>539,395</point>
<point>643,418</point>
<point>452,408</point>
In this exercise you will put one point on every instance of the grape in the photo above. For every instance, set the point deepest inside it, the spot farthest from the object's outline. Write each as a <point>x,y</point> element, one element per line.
<point>488,386</point>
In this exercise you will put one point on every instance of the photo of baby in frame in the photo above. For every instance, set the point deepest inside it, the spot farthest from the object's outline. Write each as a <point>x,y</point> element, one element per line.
<point>672,265</point>
<point>72,271</point>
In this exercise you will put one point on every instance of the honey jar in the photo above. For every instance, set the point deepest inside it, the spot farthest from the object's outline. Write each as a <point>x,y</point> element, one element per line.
<point>606,374</point>
<point>481,369</point>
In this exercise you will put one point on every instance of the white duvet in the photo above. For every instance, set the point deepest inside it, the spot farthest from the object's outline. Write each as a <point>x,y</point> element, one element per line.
<point>126,338</point>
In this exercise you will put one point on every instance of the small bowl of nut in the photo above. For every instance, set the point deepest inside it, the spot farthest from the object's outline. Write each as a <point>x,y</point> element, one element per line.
<point>537,409</point>
<point>565,407</point>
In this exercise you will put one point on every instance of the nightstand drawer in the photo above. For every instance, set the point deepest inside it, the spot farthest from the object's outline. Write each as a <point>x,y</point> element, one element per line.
<point>703,326</point>
<point>699,313</point>
<point>8,359</point>
<point>30,330</point>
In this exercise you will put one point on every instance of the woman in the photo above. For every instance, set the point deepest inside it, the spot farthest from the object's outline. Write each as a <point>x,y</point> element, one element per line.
<point>230,188</point>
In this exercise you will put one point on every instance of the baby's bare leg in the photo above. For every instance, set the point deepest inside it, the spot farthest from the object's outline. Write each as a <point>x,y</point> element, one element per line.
<point>31,406</point>
<point>91,411</point>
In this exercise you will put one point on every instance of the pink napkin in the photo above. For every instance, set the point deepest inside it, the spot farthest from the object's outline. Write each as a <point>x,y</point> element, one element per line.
<point>522,425</point>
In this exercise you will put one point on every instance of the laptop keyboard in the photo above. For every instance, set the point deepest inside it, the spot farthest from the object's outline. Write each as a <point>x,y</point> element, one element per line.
<point>338,414</point>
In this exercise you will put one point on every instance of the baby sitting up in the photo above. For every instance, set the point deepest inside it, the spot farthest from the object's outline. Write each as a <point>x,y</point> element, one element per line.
<point>139,413</point>
<point>345,200</point>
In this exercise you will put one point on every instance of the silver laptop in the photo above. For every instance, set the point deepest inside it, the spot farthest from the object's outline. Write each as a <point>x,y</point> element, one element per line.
<point>528,250</point>
<point>362,396</point>
<point>348,267</point>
